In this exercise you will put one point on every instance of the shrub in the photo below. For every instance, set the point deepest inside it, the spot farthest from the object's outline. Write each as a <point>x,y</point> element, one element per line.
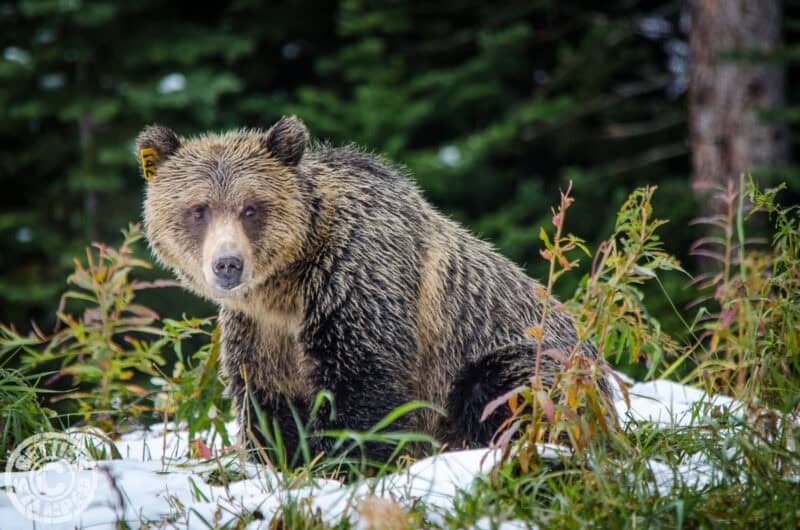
<point>748,343</point>
<point>111,354</point>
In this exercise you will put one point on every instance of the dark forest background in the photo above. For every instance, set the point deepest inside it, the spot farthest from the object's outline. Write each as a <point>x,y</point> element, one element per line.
<point>493,106</point>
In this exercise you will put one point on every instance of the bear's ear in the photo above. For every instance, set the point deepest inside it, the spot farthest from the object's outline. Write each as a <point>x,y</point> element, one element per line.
<point>154,145</point>
<point>287,140</point>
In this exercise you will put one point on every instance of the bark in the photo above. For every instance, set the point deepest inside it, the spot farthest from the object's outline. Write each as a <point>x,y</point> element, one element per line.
<point>727,136</point>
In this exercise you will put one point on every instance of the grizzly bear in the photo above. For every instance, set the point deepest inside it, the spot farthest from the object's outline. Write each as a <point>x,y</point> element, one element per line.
<point>333,273</point>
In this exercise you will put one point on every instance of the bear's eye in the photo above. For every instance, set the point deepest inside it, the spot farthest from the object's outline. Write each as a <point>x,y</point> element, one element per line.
<point>249,212</point>
<point>198,212</point>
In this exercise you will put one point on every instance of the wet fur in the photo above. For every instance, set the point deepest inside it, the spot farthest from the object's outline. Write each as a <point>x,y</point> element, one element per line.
<point>358,286</point>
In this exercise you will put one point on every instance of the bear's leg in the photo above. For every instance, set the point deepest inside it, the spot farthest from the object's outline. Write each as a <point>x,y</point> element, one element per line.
<point>359,409</point>
<point>483,380</point>
<point>265,420</point>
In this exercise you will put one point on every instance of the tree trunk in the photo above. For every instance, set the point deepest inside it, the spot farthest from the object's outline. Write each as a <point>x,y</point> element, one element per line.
<point>727,137</point>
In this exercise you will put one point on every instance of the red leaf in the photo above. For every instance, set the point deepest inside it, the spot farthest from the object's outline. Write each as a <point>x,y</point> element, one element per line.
<point>499,401</point>
<point>547,405</point>
<point>200,449</point>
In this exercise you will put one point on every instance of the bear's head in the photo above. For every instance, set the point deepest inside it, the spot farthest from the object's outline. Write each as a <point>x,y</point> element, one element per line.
<point>226,211</point>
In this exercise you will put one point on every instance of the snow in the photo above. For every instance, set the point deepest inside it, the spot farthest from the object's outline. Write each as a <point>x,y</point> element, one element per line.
<point>669,403</point>
<point>155,482</point>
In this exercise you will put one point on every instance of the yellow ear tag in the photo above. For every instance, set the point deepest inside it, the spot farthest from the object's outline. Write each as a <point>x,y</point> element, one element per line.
<point>149,158</point>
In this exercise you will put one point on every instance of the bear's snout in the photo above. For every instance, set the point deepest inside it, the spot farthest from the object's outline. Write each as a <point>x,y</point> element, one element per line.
<point>228,269</point>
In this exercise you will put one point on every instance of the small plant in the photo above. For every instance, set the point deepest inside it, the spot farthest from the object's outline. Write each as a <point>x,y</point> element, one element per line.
<point>193,393</point>
<point>101,350</point>
<point>21,416</point>
<point>609,312</point>
<point>113,354</point>
<point>610,305</point>
<point>749,341</point>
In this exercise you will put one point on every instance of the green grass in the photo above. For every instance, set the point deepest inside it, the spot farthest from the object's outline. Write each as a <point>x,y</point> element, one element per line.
<point>748,479</point>
<point>21,414</point>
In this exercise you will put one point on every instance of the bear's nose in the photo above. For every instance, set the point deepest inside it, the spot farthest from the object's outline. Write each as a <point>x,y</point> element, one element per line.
<point>228,269</point>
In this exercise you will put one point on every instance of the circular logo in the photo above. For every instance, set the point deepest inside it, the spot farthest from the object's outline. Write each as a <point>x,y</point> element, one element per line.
<point>51,477</point>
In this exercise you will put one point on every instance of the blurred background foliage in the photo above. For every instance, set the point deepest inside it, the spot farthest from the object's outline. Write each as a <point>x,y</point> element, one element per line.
<point>492,107</point>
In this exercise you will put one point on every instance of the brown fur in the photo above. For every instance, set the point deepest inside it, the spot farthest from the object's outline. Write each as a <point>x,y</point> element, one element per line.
<point>352,282</point>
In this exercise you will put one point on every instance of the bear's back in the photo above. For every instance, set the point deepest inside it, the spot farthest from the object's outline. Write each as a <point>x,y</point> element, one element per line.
<point>457,295</point>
